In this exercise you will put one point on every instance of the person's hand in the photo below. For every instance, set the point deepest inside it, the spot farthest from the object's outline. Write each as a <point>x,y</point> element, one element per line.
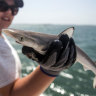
<point>60,55</point>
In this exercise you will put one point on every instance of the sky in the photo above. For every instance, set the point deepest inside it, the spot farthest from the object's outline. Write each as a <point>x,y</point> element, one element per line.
<point>80,12</point>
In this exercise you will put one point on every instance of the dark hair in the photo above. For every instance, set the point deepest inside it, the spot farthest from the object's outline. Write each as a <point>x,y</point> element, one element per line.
<point>19,3</point>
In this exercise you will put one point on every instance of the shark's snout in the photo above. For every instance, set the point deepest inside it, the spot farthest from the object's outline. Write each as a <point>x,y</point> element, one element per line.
<point>8,32</point>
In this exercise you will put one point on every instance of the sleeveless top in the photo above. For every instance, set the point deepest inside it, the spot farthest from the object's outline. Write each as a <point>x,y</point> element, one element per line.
<point>10,65</point>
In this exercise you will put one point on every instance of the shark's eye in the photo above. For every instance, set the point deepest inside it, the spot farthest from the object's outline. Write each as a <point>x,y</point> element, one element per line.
<point>21,39</point>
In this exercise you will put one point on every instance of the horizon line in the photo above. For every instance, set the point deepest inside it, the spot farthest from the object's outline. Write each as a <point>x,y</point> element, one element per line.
<point>54,24</point>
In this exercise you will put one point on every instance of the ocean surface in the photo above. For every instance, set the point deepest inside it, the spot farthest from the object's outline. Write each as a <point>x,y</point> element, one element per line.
<point>73,81</point>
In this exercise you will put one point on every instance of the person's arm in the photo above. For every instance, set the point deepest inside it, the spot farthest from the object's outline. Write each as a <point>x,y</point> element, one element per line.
<point>32,85</point>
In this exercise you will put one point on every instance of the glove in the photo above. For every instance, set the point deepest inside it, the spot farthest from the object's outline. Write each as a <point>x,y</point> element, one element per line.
<point>60,55</point>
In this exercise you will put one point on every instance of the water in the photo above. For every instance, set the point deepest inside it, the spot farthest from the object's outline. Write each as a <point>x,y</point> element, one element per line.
<point>74,81</point>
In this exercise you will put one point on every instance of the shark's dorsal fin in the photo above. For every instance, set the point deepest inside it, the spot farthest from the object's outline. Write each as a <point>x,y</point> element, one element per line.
<point>68,31</point>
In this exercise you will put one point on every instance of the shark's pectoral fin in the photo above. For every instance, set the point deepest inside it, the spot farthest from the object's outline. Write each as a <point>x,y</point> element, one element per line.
<point>68,31</point>
<point>94,82</point>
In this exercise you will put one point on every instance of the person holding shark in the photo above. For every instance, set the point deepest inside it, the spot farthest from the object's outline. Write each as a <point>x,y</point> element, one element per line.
<point>60,55</point>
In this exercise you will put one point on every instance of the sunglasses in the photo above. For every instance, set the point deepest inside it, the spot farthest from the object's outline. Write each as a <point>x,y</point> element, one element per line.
<point>5,7</point>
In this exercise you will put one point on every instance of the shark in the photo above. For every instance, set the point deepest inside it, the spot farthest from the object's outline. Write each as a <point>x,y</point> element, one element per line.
<point>41,41</point>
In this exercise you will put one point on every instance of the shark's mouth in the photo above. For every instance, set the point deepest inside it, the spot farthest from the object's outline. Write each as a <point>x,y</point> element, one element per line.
<point>18,42</point>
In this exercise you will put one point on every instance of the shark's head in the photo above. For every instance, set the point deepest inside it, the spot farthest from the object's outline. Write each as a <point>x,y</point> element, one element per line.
<point>36,40</point>
<point>20,36</point>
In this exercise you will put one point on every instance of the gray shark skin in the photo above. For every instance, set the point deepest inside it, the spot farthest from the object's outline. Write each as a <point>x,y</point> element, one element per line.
<point>41,41</point>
